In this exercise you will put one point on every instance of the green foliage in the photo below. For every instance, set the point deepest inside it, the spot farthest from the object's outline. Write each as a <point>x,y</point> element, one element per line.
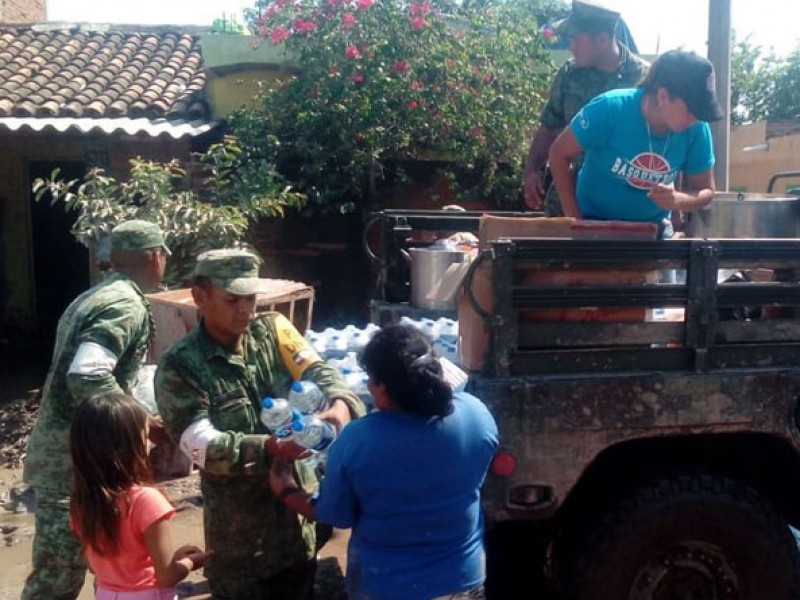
<point>763,84</point>
<point>232,195</point>
<point>382,81</point>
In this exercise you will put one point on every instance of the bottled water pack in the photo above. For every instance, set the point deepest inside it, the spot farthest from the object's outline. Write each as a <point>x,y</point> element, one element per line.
<point>305,397</point>
<point>311,432</point>
<point>277,416</point>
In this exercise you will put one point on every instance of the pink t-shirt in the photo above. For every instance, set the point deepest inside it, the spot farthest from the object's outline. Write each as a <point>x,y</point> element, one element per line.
<point>132,568</point>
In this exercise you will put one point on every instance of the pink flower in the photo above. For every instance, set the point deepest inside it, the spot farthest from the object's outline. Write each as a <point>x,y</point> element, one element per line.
<point>418,23</point>
<point>272,9</point>
<point>279,35</point>
<point>352,52</point>
<point>359,137</point>
<point>303,26</point>
<point>400,66</point>
<point>419,9</point>
<point>334,70</point>
<point>413,105</point>
<point>358,78</point>
<point>364,4</point>
<point>416,85</point>
<point>348,20</point>
<point>548,33</point>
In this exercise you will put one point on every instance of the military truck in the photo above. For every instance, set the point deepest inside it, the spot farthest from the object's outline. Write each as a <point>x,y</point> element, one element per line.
<point>643,457</point>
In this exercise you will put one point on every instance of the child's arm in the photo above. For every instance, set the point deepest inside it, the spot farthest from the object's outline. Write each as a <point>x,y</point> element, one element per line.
<point>171,566</point>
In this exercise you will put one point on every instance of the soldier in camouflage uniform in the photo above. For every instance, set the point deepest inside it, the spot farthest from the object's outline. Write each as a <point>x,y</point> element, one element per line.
<point>209,388</point>
<point>101,343</point>
<point>599,63</point>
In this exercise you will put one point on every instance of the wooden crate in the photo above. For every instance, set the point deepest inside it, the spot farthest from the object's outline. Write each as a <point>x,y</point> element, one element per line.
<point>175,313</point>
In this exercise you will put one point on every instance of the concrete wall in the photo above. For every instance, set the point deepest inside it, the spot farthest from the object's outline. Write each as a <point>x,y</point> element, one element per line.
<point>760,150</point>
<point>236,67</point>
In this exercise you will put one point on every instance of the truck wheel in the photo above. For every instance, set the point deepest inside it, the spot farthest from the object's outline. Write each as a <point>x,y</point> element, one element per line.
<point>688,537</point>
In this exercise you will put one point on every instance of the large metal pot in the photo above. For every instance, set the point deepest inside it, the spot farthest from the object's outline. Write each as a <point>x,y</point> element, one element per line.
<point>740,215</point>
<point>428,267</point>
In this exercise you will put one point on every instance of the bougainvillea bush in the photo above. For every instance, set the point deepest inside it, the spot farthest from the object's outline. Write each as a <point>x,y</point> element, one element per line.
<point>374,82</point>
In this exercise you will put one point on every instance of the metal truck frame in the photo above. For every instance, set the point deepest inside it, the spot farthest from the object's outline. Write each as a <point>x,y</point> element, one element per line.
<point>646,459</point>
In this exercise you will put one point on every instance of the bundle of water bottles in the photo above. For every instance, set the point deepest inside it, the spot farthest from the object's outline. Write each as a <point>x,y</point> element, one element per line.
<point>341,348</point>
<point>296,416</point>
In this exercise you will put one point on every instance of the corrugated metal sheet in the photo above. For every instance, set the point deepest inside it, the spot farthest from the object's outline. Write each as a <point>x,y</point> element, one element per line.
<point>175,128</point>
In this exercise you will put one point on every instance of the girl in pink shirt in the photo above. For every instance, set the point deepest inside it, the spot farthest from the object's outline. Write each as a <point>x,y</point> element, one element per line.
<point>123,522</point>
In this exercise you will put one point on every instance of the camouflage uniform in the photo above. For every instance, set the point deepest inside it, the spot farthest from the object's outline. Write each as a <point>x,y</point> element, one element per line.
<point>115,315</point>
<point>572,88</point>
<point>261,550</point>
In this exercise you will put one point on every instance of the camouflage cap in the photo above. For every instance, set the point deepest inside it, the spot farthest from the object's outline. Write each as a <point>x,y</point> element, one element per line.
<point>233,270</point>
<point>588,16</point>
<point>137,234</point>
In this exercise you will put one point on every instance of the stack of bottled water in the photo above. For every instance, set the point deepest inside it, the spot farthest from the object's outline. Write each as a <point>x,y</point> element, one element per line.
<point>442,332</point>
<point>338,343</point>
<point>340,348</point>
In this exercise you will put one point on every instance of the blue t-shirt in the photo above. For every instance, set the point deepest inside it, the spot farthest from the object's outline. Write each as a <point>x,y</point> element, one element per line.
<point>409,486</point>
<point>622,162</point>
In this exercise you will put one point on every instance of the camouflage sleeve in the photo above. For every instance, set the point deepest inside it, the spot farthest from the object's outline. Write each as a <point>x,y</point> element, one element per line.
<point>331,383</point>
<point>117,326</point>
<point>184,406</point>
<point>553,114</point>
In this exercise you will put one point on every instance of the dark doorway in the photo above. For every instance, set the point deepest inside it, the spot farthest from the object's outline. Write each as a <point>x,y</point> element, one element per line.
<point>60,262</point>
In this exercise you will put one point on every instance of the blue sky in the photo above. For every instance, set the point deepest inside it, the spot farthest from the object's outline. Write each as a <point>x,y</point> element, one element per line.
<point>656,24</point>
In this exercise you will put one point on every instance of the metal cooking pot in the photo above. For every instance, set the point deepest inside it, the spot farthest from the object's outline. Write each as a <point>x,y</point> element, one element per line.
<point>428,266</point>
<point>740,215</point>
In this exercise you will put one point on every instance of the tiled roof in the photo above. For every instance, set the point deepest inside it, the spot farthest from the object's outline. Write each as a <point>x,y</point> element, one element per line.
<point>82,73</point>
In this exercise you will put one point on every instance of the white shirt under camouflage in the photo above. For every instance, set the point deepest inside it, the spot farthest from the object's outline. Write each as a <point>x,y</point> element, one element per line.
<point>111,320</point>
<point>252,533</point>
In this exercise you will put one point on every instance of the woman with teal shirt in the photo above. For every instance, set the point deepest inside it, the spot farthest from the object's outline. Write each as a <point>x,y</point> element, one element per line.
<point>637,141</point>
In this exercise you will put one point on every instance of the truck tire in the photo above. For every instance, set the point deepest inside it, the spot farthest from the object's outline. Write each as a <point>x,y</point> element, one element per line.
<point>688,537</point>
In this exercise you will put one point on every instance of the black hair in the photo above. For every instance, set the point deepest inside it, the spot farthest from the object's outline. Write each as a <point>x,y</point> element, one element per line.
<point>400,357</point>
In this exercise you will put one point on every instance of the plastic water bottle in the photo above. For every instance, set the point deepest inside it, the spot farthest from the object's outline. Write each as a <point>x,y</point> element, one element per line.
<point>309,431</point>
<point>277,416</point>
<point>356,341</point>
<point>306,397</point>
<point>448,329</point>
<point>430,328</point>
<point>361,389</point>
<point>336,346</point>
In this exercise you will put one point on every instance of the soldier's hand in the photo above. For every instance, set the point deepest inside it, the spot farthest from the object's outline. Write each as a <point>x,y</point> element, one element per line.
<point>281,476</point>
<point>158,434</point>
<point>338,414</point>
<point>534,189</point>
<point>285,448</point>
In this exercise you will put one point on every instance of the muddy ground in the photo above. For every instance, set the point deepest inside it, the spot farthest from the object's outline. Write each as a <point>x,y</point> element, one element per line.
<point>19,404</point>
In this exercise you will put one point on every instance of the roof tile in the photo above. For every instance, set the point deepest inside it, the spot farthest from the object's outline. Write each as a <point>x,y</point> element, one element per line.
<point>77,73</point>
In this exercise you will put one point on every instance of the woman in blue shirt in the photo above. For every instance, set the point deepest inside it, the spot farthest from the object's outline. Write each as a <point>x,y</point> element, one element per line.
<point>637,141</point>
<point>407,479</point>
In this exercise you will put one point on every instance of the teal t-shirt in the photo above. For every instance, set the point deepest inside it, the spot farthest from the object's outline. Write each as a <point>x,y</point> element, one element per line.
<point>623,160</point>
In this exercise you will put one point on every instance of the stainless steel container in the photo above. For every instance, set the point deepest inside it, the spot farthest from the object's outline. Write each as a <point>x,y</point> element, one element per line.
<point>428,266</point>
<point>740,215</point>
